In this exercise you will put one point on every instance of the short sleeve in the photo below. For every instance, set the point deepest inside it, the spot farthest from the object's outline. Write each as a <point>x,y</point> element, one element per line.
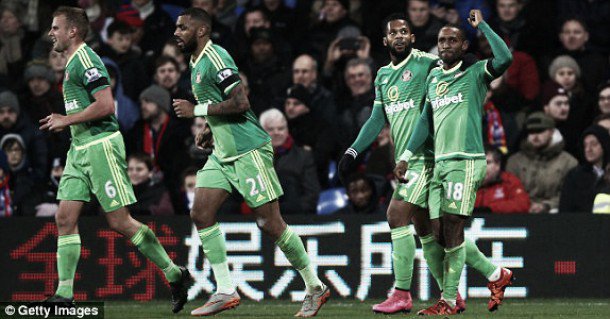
<point>94,74</point>
<point>226,76</point>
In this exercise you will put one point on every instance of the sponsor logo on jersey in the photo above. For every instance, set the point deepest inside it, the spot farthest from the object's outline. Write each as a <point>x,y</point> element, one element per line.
<point>92,74</point>
<point>72,105</point>
<point>223,74</point>
<point>397,107</point>
<point>407,75</point>
<point>393,93</point>
<point>446,100</point>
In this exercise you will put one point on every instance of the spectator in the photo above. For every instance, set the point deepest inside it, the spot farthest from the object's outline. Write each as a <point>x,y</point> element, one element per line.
<point>265,70</point>
<point>167,75</point>
<point>221,34</point>
<point>357,106</point>
<point>157,29</point>
<point>119,49</point>
<point>189,182</point>
<point>13,121</point>
<point>126,110</point>
<point>15,43</point>
<point>574,36</point>
<point>340,51</point>
<point>171,50</point>
<point>601,204</point>
<point>305,73</point>
<point>42,98</point>
<point>153,198</point>
<point>541,165</point>
<point>565,71</point>
<point>362,196</point>
<point>556,104</point>
<point>596,15</point>
<point>283,19</point>
<point>6,204</point>
<point>159,136</point>
<point>424,25</point>
<point>294,165</point>
<point>334,23</point>
<point>256,18</point>
<point>49,203</point>
<point>379,160</point>
<point>25,194</point>
<point>57,61</point>
<point>603,120</point>
<point>585,180</point>
<point>500,128</point>
<point>501,192</point>
<point>603,98</point>
<point>510,23</point>
<point>310,130</point>
<point>197,156</point>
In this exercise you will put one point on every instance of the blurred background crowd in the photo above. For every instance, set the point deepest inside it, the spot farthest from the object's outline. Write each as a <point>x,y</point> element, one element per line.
<point>309,68</point>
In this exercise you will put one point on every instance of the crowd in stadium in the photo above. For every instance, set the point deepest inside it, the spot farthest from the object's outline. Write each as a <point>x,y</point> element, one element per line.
<point>309,67</point>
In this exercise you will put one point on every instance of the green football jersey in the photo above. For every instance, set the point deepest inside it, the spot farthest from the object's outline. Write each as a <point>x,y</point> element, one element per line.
<point>400,91</point>
<point>213,76</point>
<point>456,97</point>
<point>85,75</point>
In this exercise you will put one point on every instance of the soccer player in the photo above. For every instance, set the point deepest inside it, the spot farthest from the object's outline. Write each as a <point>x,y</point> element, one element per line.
<point>242,159</point>
<point>455,94</point>
<point>399,98</point>
<point>96,160</point>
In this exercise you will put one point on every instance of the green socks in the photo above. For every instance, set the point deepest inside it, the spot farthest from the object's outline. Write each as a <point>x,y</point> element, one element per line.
<point>149,246</point>
<point>478,261</point>
<point>403,253</point>
<point>292,246</point>
<point>68,253</point>
<point>455,258</point>
<point>215,250</point>
<point>434,254</point>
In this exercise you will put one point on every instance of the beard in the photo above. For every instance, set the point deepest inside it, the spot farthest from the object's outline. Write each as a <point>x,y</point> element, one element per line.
<point>400,55</point>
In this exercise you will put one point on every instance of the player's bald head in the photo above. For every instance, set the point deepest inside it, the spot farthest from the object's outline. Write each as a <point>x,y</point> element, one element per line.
<point>198,15</point>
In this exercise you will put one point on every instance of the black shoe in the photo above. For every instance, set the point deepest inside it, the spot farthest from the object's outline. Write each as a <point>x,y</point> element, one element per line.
<point>56,300</point>
<point>179,290</point>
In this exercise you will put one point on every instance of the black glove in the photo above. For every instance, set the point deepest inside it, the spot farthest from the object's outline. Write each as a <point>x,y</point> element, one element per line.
<point>345,165</point>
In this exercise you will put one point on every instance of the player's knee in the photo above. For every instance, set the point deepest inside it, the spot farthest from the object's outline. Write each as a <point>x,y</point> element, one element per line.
<point>65,222</point>
<point>269,226</point>
<point>198,216</point>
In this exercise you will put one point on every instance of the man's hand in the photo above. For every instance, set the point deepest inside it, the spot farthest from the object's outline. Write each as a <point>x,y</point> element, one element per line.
<point>400,171</point>
<point>345,166</point>
<point>203,138</point>
<point>475,18</point>
<point>54,123</point>
<point>183,108</point>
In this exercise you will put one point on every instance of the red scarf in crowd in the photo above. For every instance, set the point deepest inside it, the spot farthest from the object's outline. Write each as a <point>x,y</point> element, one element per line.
<point>285,147</point>
<point>150,148</point>
<point>6,202</point>
<point>496,136</point>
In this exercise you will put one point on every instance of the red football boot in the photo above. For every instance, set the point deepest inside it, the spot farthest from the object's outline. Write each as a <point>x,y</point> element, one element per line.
<point>497,289</point>
<point>398,301</point>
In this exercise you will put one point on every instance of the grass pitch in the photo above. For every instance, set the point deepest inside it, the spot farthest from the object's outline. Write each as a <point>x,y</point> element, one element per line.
<point>354,309</point>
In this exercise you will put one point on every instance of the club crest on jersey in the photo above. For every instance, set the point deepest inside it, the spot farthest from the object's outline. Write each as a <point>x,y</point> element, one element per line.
<point>407,75</point>
<point>92,74</point>
<point>198,78</point>
<point>393,93</point>
<point>441,88</point>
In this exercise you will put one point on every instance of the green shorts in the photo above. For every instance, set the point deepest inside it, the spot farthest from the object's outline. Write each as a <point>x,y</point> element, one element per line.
<point>454,186</point>
<point>415,191</point>
<point>98,167</point>
<point>252,175</point>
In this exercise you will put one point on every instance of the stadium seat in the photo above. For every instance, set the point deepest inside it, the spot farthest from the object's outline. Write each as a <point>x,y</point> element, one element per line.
<point>331,200</point>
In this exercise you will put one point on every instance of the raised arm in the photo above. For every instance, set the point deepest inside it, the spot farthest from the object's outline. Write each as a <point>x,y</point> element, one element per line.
<point>502,57</point>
